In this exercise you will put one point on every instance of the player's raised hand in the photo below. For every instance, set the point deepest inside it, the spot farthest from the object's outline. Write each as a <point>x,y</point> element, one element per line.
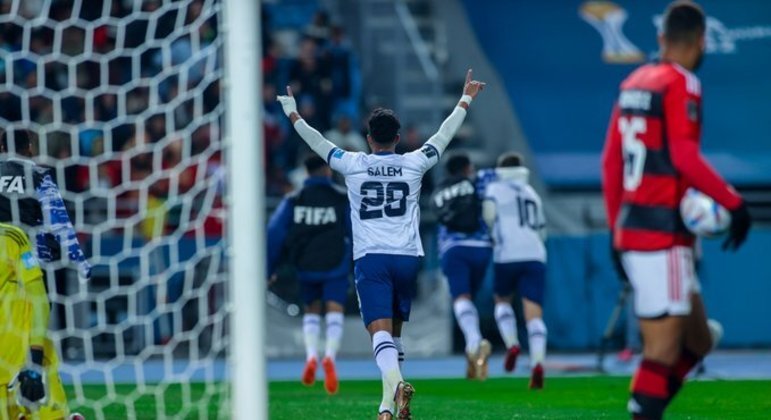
<point>472,87</point>
<point>287,102</point>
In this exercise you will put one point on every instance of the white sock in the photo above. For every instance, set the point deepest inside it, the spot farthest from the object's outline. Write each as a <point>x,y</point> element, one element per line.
<point>507,324</point>
<point>399,348</point>
<point>468,320</point>
<point>334,322</point>
<point>311,330</point>
<point>387,358</point>
<point>536,332</point>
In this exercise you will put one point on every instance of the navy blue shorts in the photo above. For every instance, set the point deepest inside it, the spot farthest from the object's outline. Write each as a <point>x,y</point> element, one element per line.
<point>465,268</point>
<point>330,289</point>
<point>385,285</point>
<point>527,277</point>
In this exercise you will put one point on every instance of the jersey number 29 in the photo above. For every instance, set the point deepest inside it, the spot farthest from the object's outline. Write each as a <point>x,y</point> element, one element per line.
<point>633,149</point>
<point>376,194</point>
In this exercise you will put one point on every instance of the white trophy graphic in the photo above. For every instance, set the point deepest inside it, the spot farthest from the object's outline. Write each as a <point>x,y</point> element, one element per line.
<point>608,19</point>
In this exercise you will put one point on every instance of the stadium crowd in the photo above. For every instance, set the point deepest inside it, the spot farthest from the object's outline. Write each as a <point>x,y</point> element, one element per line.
<point>148,82</point>
<point>324,75</point>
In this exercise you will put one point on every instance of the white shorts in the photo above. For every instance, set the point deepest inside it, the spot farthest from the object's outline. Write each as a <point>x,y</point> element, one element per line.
<point>663,281</point>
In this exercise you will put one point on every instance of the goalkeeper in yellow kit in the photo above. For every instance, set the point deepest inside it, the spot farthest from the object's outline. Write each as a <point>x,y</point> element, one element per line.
<point>30,386</point>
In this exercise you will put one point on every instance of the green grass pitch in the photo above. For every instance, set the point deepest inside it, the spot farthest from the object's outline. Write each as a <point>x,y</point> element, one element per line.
<point>498,398</point>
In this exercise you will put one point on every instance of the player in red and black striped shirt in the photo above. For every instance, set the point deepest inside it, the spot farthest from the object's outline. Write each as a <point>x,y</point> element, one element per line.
<point>651,157</point>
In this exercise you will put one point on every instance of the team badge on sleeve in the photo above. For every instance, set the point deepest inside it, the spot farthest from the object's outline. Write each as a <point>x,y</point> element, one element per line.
<point>29,260</point>
<point>429,151</point>
<point>338,153</point>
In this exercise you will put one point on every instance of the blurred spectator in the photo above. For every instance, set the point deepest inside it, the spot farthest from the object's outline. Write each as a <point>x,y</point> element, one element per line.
<point>156,127</point>
<point>310,76</point>
<point>129,74</point>
<point>318,30</point>
<point>270,61</point>
<point>344,76</point>
<point>411,140</point>
<point>345,137</point>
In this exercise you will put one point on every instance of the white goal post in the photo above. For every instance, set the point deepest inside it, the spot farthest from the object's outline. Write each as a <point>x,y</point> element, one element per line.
<point>247,215</point>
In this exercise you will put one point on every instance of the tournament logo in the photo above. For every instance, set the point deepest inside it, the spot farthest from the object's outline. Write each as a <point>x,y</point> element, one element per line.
<point>608,19</point>
<point>721,39</point>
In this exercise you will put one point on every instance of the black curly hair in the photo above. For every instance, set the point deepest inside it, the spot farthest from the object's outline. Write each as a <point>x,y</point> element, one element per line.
<point>383,126</point>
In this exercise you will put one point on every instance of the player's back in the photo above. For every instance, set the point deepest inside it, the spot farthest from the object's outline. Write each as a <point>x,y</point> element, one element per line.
<point>19,180</point>
<point>649,118</point>
<point>383,190</point>
<point>519,218</point>
<point>457,204</point>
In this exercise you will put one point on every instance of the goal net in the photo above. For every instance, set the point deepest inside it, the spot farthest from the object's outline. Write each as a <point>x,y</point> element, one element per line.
<point>124,99</point>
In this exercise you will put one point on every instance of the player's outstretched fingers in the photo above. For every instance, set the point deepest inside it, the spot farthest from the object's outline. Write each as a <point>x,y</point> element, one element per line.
<point>469,76</point>
<point>289,91</point>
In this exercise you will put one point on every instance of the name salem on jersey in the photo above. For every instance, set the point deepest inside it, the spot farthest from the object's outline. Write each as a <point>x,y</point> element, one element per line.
<point>384,171</point>
<point>11,184</point>
<point>314,215</point>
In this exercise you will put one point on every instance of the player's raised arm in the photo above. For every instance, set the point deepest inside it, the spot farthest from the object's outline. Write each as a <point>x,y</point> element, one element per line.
<point>310,135</point>
<point>58,223</point>
<point>450,126</point>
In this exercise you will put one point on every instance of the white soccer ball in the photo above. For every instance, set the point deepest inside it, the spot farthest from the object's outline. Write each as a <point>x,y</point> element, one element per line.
<point>715,331</point>
<point>702,215</point>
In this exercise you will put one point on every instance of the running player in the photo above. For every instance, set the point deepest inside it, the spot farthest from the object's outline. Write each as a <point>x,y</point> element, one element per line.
<point>514,213</point>
<point>27,356</point>
<point>465,252</point>
<point>651,157</point>
<point>383,189</point>
<point>310,232</point>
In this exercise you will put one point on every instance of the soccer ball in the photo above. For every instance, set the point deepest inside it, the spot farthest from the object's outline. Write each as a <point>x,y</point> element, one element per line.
<point>702,215</point>
<point>716,331</point>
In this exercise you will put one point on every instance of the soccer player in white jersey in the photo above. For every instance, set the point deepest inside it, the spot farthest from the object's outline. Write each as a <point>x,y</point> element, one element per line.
<point>513,211</point>
<point>383,189</point>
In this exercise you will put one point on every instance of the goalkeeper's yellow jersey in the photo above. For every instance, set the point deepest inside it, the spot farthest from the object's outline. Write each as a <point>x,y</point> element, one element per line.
<point>18,268</point>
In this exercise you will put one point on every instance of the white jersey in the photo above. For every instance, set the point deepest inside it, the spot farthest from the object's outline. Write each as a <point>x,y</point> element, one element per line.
<point>519,226</point>
<point>383,190</point>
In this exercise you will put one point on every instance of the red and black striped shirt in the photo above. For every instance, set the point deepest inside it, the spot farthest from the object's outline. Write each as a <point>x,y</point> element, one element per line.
<point>652,156</point>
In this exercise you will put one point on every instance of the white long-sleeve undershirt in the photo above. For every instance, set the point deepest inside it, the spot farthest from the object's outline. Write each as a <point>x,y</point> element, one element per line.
<point>314,139</point>
<point>447,130</point>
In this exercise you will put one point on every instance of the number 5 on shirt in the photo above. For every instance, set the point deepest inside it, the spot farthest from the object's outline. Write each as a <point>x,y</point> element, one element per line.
<point>634,150</point>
